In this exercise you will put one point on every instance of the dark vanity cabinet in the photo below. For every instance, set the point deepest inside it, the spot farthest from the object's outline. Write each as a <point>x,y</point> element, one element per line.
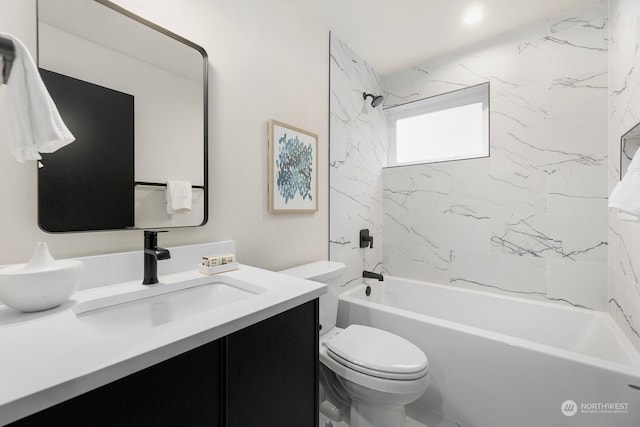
<point>272,371</point>
<point>263,375</point>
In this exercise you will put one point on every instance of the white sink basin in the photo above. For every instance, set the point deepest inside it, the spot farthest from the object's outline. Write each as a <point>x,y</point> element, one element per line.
<point>159,305</point>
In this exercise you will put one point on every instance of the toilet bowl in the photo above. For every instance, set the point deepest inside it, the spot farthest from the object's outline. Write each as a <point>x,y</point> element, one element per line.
<point>381,372</point>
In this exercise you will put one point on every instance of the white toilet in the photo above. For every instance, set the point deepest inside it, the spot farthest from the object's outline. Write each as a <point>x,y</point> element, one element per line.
<point>380,371</point>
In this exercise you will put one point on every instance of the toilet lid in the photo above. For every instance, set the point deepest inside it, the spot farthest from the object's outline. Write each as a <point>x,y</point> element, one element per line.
<point>376,352</point>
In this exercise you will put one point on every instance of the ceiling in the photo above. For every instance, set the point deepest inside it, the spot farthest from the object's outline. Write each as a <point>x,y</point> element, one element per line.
<point>394,34</point>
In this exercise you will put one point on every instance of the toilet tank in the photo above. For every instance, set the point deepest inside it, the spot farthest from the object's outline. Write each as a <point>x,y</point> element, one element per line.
<point>328,272</point>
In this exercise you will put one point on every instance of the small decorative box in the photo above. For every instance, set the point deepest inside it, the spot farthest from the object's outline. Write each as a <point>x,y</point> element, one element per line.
<point>218,263</point>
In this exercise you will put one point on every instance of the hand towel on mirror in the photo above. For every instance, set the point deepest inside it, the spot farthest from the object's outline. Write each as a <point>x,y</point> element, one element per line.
<point>35,125</point>
<point>179,197</point>
<point>626,194</point>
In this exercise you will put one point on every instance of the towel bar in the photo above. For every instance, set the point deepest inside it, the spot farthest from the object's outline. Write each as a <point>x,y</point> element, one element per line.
<point>162,184</point>
<point>8,53</point>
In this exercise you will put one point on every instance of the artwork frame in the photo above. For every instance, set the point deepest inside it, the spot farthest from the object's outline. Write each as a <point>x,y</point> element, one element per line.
<point>293,187</point>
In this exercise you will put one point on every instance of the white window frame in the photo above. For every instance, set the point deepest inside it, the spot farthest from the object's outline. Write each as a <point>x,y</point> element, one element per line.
<point>445,101</point>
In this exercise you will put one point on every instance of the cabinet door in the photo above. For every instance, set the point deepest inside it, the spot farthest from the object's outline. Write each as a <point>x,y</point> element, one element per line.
<point>272,371</point>
<point>185,390</point>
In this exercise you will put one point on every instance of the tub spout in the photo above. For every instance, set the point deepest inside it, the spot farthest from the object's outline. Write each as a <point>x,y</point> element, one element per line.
<point>372,275</point>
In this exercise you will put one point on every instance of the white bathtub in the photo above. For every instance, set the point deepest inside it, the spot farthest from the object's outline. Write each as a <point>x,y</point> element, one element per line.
<point>504,361</point>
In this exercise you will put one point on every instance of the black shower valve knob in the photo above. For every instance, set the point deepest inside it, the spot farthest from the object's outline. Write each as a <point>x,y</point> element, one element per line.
<point>366,240</point>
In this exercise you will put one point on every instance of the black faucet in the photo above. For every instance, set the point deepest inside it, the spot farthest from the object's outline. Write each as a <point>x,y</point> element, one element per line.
<point>152,254</point>
<point>372,275</point>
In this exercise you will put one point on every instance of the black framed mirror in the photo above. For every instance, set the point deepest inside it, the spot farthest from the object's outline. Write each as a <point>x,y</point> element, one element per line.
<point>135,96</point>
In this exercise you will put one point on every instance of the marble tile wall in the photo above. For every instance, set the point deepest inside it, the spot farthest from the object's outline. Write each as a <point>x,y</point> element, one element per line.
<point>357,154</point>
<point>530,220</point>
<point>624,108</point>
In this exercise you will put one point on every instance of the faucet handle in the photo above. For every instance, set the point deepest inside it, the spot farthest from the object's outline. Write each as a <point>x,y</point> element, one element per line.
<point>149,231</point>
<point>366,240</point>
<point>151,238</point>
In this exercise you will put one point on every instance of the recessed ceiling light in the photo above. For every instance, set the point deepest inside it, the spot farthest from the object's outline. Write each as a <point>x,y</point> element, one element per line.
<point>473,15</point>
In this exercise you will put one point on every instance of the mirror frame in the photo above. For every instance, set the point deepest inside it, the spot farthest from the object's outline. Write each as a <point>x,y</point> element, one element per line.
<point>205,99</point>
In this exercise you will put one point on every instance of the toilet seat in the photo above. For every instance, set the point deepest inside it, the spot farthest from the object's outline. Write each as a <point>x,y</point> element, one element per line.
<point>378,353</point>
<point>369,381</point>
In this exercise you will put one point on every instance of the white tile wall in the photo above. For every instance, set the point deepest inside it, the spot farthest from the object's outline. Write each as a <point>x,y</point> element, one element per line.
<point>624,97</point>
<point>530,220</point>
<point>357,154</point>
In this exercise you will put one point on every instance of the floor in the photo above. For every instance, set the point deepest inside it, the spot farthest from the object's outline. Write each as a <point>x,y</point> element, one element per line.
<point>325,422</point>
<point>416,417</point>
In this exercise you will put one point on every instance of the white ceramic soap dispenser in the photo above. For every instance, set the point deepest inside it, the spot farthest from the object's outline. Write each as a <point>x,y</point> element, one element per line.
<point>40,284</point>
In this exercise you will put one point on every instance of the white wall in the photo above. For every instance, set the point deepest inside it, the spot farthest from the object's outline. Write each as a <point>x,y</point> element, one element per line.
<point>530,220</point>
<point>358,152</point>
<point>267,60</point>
<point>624,110</point>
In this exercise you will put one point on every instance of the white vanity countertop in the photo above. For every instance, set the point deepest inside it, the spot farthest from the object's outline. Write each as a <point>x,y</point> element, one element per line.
<point>48,357</point>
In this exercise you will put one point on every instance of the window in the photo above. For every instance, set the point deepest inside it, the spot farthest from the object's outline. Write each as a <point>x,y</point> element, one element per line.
<point>451,126</point>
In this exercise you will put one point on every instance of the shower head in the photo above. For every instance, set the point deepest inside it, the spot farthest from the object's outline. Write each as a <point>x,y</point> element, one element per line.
<point>375,99</point>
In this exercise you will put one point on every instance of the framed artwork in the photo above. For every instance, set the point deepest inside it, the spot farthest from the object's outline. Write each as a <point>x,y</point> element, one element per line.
<point>293,169</point>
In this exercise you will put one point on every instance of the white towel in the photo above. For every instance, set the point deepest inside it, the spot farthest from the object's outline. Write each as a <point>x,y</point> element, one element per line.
<point>179,197</point>
<point>626,195</point>
<point>35,125</point>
